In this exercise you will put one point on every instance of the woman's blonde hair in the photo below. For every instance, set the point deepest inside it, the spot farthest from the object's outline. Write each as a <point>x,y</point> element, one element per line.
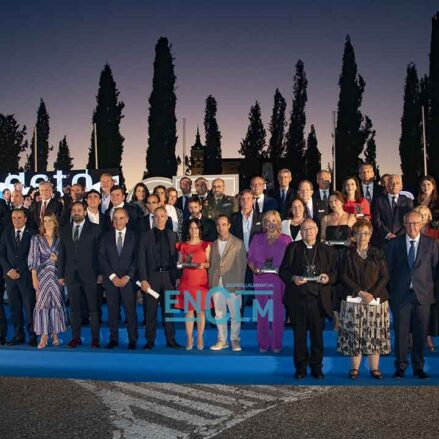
<point>425,212</point>
<point>277,217</point>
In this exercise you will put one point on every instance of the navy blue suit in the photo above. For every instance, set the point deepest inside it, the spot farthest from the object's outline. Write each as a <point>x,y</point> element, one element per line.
<point>135,216</point>
<point>411,294</point>
<point>283,205</point>
<point>120,265</point>
<point>20,291</point>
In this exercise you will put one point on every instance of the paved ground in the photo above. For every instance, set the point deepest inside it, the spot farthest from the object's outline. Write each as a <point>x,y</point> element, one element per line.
<point>41,408</point>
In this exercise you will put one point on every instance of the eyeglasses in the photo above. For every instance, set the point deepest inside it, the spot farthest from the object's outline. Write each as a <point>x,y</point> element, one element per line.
<point>362,234</point>
<point>413,223</point>
<point>309,229</point>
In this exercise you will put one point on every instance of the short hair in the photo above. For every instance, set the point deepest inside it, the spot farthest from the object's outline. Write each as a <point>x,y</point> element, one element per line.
<point>257,176</point>
<point>218,179</point>
<point>277,217</point>
<point>80,203</point>
<point>93,191</point>
<point>392,176</point>
<point>45,183</point>
<point>323,171</point>
<point>308,221</point>
<point>201,178</point>
<point>413,212</point>
<point>246,191</point>
<point>284,171</point>
<point>121,209</point>
<point>153,195</point>
<point>301,182</point>
<point>194,200</point>
<point>160,208</point>
<point>6,190</point>
<point>117,187</point>
<point>106,174</point>
<point>360,224</point>
<point>185,178</point>
<point>222,215</point>
<point>54,219</point>
<point>19,209</point>
<point>79,184</point>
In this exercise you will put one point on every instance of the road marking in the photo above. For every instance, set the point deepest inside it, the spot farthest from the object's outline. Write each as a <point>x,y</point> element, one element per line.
<point>241,392</point>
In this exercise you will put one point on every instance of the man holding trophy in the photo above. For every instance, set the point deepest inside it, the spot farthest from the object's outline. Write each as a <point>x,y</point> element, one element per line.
<point>308,270</point>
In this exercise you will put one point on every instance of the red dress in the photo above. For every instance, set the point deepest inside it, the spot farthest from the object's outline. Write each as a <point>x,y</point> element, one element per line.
<point>193,281</point>
<point>358,208</point>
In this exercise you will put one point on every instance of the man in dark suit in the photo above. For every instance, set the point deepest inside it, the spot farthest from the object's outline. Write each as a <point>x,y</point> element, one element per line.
<point>48,204</point>
<point>78,270</point>
<point>4,215</point>
<point>76,194</point>
<point>413,267</point>
<point>388,213</point>
<point>182,201</point>
<point>321,195</point>
<point>369,189</point>
<point>315,208</point>
<point>94,213</point>
<point>117,196</point>
<point>308,302</point>
<point>157,268</point>
<point>117,257</point>
<point>14,251</point>
<point>152,202</point>
<point>263,203</point>
<point>284,194</point>
<point>208,228</point>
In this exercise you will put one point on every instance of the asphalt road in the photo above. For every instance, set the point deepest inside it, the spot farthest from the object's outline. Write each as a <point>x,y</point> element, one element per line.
<point>43,408</point>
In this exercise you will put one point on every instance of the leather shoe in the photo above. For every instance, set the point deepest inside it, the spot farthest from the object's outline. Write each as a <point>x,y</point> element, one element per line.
<point>173,344</point>
<point>2,341</point>
<point>74,342</point>
<point>112,344</point>
<point>15,341</point>
<point>421,374</point>
<point>300,374</point>
<point>148,346</point>
<point>33,341</point>
<point>132,346</point>
<point>399,373</point>
<point>317,374</point>
<point>94,343</point>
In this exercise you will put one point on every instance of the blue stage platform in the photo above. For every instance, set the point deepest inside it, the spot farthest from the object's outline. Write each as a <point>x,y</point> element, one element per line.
<point>164,364</point>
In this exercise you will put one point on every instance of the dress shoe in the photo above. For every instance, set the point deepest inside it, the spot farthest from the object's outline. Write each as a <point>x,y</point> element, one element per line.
<point>33,341</point>
<point>94,343</point>
<point>74,342</point>
<point>376,374</point>
<point>419,373</point>
<point>219,345</point>
<point>113,344</point>
<point>132,346</point>
<point>300,374</point>
<point>173,345</point>
<point>148,346</point>
<point>16,341</point>
<point>399,373</point>
<point>317,374</point>
<point>2,341</point>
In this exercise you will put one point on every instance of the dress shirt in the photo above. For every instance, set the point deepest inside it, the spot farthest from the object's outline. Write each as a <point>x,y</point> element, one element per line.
<point>408,245</point>
<point>322,194</point>
<point>123,231</point>
<point>115,207</point>
<point>310,208</point>
<point>151,220</point>
<point>365,186</point>
<point>260,201</point>
<point>21,232</point>
<point>81,225</point>
<point>93,217</point>
<point>247,223</point>
<point>390,198</point>
<point>105,202</point>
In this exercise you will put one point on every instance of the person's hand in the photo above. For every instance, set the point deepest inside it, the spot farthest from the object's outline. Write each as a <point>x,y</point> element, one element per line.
<point>200,266</point>
<point>299,280</point>
<point>323,279</point>
<point>35,284</point>
<point>61,281</point>
<point>99,279</point>
<point>13,274</point>
<point>53,257</point>
<point>390,236</point>
<point>116,282</point>
<point>144,285</point>
<point>367,297</point>
<point>124,280</point>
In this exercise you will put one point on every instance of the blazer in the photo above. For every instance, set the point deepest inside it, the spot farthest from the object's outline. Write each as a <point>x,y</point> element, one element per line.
<point>208,229</point>
<point>12,256</point>
<point>81,257</point>
<point>269,204</point>
<point>378,191</point>
<point>230,267</point>
<point>283,206</point>
<point>53,206</point>
<point>292,265</point>
<point>385,222</point>
<point>320,208</point>
<point>179,205</point>
<point>135,216</point>
<point>109,259</point>
<point>147,258</point>
<point>424,276</point>
<point>236,227</point>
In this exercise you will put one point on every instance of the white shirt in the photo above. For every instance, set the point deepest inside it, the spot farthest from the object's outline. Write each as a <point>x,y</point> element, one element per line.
<point>151,220</point>
<point>123,231</point>
<point>390,198</point>
<point>115,207</point>
<point>408,245</point>
<point>172,213</point>
<point>81,225</point>
<point>93,217</point>
<point>322,194</point>
<point>310,208</point>
<point>21,232</point>
<point>260,201</point>
<point>221,248</point>
<point>365,186</point>
<point>105,202</point>
<point>246,228</point>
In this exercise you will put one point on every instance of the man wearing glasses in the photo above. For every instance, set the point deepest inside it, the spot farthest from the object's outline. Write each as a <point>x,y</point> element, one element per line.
<point>412,260</point>
<point>308,270</point>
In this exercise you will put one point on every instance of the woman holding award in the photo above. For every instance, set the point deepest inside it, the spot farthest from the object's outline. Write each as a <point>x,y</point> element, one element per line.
<point>362,310</point>
<point>194,283</point>
<point>265,255</point>
<point>355,203</point>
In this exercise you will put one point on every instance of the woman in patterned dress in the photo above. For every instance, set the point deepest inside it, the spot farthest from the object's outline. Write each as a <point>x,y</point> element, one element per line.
<point>50,311</point>
<point>363,329</point>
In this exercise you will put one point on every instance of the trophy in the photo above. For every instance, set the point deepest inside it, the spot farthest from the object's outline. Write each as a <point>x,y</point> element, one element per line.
<point>311,275</point>
<point>188,262</point>
<point>358,211</point>
<point>336,243</point>
<point>268,267</point>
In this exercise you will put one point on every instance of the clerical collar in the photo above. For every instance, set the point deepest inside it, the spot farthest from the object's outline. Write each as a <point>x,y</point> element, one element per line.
<point>308,246</point>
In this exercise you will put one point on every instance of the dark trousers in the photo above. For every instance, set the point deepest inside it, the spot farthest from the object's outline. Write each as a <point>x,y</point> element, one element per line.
<point>21,295</point>
<point>126,296</point>
<point>150,305</point>
<point>75,288</point>
<point>3,321</point>
<point>410,317</point>
<point>308,315</point>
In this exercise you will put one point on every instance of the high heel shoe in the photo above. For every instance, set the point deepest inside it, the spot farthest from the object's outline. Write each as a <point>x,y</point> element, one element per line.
<point>189,346</point>
<point>55,341</point>
<point>200,346</point>
<point>43,343</point>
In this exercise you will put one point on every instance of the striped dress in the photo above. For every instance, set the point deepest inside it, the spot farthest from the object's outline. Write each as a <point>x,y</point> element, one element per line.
<point>50,314</point>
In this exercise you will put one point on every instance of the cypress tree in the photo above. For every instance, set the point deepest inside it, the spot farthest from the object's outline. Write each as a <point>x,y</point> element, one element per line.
<point>410,145</point>
<point>349,135</point>
<point>12,143</point>
<point>370,152</point>
<point>295,139</point>
<point>212,148</point>
<point>43,148</point>
<point>253,144</point>
<point>277,128</point>
<point>162,122</point>
<point>433,146</point>
<point>313,157</point>
<point>107,116</point>
<point>64,161</point>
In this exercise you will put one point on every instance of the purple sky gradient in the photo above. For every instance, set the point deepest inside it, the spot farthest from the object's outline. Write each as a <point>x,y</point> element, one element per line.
<point>238,51</point>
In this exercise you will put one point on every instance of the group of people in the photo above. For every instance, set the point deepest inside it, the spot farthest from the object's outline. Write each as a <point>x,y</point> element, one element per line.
<point>351,256</point>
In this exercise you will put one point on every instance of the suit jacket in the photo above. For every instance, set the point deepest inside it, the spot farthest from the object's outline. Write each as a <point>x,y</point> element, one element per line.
<point>109,259</point>
<point>4,214</point>
<point>320,207</point>
<point>208,230</point>
<point>269,204</point>
<point>230,267</point>
<point>53,206</point>
<point>81,257</point>
<point>424,276</point>
<point>385,222</point>
<point>378,191</point>
<point>7,220</point>
<point>12,256</point>
<point>283,206</point>
<point>135,216</point>
<point>292,265</point>
<point>236,227</point>
<point>179,204</point>
<point>147,258</point>
<point>147,224</point>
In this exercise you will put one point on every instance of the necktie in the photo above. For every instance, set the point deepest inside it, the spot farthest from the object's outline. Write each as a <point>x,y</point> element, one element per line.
<point>325,196</point>
<point>411,257</point>
<point>43,209</point>
<point>76,234</point>
<point>368,195</point>
<point>258,211</point>
<point>309,211</point>
<point>119,244</point>
<point>17,237</point>
<point>393,204</point>
<point>284,196</point>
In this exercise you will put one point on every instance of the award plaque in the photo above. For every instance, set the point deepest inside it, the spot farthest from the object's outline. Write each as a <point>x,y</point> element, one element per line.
<point>358,211</point>
<point>334,243</point>
<point>311,275</point>
<point>188,262</point>
<point>268,268</point>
